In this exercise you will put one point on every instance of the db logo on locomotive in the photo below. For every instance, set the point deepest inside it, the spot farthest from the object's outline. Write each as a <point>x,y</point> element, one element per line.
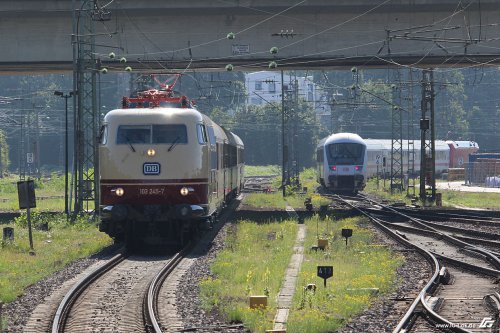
<point>151,168</point>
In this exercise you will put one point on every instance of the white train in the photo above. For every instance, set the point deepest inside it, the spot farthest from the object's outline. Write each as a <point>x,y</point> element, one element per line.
<point>379,156</point>
<point>165,168</point>
<point>341,162</point>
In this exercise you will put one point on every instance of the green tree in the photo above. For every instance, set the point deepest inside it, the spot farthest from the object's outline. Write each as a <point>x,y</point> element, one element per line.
<point>360,100</point>
<point>451,120</point>
<point>260,129</point>
<point>222,117</point>
<point>374,114</point>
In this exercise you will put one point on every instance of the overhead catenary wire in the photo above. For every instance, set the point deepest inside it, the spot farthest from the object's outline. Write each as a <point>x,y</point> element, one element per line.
<point>457,10</point>
<point>251,27</point>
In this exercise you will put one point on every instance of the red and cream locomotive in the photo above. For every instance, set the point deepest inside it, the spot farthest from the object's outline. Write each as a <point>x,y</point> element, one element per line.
<point>165,169</point>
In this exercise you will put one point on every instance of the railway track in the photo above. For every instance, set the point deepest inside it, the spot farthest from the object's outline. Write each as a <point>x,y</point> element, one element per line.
<point>61,316</point>
<point>258,183</point>
<point>113,295</point>
<point>132,293</point>
<point>462,294</point>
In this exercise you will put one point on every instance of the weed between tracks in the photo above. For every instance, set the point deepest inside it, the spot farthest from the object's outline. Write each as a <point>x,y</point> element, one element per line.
<point>358,269</point>
<point>294,198</point>
<point>262,170</point>
<point>256,256</point>
<point>252,263</point>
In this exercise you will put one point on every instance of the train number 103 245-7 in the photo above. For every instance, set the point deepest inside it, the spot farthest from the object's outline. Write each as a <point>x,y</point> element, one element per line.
<point>151,191</point>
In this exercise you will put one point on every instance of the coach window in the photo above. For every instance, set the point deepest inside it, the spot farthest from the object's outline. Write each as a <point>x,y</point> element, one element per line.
<point>211,135</point>
<point>225,154</point>
<point>232,156</point>
<point>271,87</point>
<point>241,156</point>
<point>319,155</point>
<point>202,134</point>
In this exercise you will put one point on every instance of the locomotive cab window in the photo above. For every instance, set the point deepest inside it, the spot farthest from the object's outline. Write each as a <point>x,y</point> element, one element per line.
<point>202,134</point>
<point>169,134</point>
<point>103,134</point>
<point>133,134</point>
<point>157,134</point>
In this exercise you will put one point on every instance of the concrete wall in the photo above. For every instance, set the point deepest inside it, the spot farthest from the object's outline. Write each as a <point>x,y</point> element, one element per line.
<point>165,34</point>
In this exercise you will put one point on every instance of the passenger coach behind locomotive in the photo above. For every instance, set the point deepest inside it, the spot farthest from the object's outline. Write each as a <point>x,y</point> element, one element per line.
<point>165,168</point>
<point>341,162</point>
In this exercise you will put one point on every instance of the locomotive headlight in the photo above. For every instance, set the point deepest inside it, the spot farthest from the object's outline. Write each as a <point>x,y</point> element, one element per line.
<point>119,191</point>
<point>151,152</point>
<point>186,190</point>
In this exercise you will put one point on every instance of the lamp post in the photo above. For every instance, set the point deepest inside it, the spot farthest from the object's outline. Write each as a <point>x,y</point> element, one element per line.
<point>65,96</point>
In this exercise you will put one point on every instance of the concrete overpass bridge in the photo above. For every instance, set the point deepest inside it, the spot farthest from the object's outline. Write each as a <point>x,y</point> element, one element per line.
<point>38,36</point>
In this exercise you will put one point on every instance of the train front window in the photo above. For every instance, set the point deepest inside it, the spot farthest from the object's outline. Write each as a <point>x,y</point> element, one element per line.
<point>346,154</point>
<point>133,134</point>
<point>169,134</point>
<point>147,134</point>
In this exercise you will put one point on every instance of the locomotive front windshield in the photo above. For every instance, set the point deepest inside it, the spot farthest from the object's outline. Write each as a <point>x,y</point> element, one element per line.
<point>156,134</point>
<point>346,154</point>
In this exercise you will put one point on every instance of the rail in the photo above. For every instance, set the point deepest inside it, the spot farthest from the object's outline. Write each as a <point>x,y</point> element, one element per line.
<point>69,299</point>
<point>150,308</point>
<point>420,305</point>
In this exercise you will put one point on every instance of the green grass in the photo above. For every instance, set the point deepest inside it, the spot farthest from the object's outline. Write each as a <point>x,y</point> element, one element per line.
<point>265,200</point>
<point>470,199</point>
<point>276,200</point>
<point>294,197</point>
<point>49,193</point>
<point>383,192</point>
<point>358,265</point>
<point>484,200</point>
<point>54,249</point>
<point>252,263</point>
<point>262,170</point>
